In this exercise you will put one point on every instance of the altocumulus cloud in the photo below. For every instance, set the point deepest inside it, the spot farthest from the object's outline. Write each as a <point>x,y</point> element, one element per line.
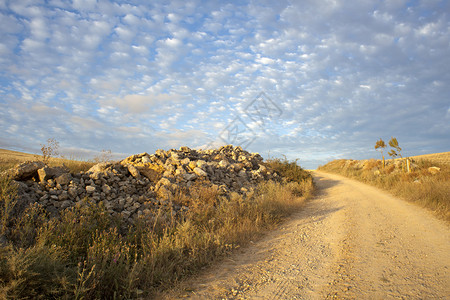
<point>136,76</point>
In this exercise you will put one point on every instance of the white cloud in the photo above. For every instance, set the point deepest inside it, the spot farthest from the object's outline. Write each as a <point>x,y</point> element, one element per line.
<point>135,103</point>
<point>174,17</point>
<point>22,8</point>
<point>86,123</point>
<point>124,34</point>
<point>84,5</point>
<point>39,28</point>
<point>178,138</point>
<point>4,50</point>
<point>173,42</point>
<point>139,104</point>
<point>265,60</point>
<point>337,69</point>
<point>132,20</point>
<point>30,45</point>
<point>142,50</point>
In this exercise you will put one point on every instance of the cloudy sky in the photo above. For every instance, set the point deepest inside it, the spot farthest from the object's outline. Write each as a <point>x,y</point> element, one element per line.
<point>309,79</point>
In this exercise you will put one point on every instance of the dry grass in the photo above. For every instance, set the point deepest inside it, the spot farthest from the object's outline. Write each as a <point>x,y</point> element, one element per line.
<point>9,159</point>
<point>437,158</point>
<point>87,254</point>
<point>419,186</point>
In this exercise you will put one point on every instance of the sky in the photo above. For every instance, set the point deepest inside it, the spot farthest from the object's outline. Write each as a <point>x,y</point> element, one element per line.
<point>308,79</point>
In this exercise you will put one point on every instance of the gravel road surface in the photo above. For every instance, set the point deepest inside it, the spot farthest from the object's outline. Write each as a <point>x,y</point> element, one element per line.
<point>352,241</point>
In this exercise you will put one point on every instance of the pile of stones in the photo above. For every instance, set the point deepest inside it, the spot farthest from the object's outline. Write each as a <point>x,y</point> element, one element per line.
<point>139,183</point>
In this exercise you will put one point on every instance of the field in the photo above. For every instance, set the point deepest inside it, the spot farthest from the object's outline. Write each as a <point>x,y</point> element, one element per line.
<point>9,159</point>
<point>438,158</point>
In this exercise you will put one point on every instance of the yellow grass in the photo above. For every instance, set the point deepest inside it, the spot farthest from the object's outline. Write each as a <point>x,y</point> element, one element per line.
<point>9,159</point>
<point>439,158</point>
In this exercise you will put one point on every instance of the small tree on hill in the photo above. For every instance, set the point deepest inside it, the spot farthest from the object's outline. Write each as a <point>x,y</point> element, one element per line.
<point>396,150</point>
<point>379,146</point>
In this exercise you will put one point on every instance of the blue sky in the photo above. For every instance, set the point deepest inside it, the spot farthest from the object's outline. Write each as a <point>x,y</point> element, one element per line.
<point>329,78</point>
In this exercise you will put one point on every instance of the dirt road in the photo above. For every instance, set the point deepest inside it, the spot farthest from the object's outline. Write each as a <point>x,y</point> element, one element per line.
<point>352,241</point>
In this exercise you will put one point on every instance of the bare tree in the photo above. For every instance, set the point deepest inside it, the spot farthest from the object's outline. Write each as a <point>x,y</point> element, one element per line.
<point>49,150</point>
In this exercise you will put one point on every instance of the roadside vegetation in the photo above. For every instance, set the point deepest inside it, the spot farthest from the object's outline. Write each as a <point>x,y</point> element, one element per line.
<point>418,180</point>
<point>87,254</point>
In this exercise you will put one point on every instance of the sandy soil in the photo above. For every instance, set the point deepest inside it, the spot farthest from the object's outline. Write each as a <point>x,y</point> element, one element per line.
<point>352,241</point>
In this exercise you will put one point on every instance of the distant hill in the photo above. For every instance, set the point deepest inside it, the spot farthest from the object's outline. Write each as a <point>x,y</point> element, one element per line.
<point>10,158</point>
<point>16,155</point>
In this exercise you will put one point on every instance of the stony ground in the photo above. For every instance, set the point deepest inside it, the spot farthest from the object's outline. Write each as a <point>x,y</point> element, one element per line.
<point>352,241</point>
<point>143,183</point>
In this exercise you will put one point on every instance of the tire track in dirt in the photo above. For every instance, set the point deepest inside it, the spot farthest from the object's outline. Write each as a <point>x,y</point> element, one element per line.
<point>352,241</point>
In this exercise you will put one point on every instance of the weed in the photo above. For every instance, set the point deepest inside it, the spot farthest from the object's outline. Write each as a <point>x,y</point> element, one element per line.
<point>37,272</point>
<point>49,150</point>
<point>74,166</point>
<point>8,192</point>
<point>104,156</point>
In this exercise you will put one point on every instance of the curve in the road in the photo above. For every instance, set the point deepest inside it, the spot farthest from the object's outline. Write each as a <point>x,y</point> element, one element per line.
<point>352,241</point>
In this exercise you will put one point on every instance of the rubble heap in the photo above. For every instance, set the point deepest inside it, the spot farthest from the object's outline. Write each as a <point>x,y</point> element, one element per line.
<point>135,185</point>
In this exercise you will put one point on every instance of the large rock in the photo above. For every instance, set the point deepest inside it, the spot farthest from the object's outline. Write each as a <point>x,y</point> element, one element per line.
<point>201,164</point>
<point>163,181</point>
<point>149,173</point>
<point>434,170</point>
<point>64,179</point>
<point>223,163</point>
<point>189,176</point>
<point>200,172</point>
<point>26,170</point>
<point>101,167</point>
<point>133,171</point>
<point>47,173</point>
<point>100,170</point>
<point>146,159</point>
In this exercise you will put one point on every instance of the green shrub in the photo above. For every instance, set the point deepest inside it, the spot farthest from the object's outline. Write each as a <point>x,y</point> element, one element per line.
<point>289,170</point>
